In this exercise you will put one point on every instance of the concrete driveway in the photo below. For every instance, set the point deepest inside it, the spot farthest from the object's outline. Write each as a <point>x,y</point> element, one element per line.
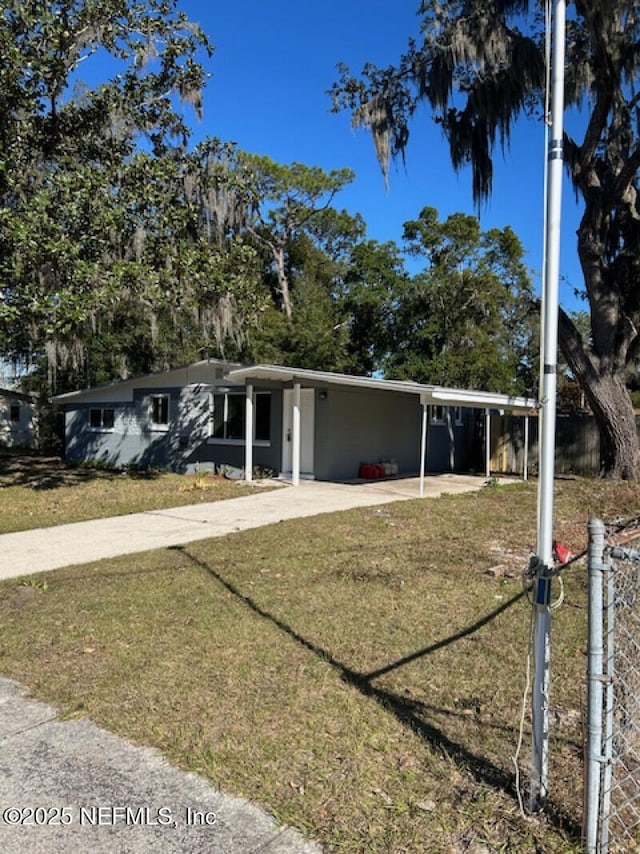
<point>40,549</point>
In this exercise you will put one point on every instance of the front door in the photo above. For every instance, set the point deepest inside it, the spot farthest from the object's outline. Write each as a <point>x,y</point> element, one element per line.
<point>307,415</point>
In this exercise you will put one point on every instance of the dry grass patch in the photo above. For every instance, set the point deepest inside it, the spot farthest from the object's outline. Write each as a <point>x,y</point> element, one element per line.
<point>37,492</point>
<point>360,674</point>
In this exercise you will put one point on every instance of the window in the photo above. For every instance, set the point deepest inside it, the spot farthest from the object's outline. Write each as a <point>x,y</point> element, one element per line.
<point>228,419</point>
<point>101,419</point>
<point>262,415</point>
<point>14,414</point>
<point>441,415</point>
<point>160,410</point>
<point>438,414</point>
<point>228,416</point>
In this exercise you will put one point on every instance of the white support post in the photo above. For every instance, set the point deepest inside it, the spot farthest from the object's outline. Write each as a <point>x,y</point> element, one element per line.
<point>423,443</point>
<point>248,434</point>
<point>295,436</point>
<point>525,466</point>
<point>549,337</point>
<point>487,443</point>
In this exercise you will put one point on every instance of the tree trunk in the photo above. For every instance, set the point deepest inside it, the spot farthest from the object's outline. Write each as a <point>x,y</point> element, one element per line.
<point>284,293</point>
<point>609,399</point>
<point>613,411</point>
<point>610,276</point>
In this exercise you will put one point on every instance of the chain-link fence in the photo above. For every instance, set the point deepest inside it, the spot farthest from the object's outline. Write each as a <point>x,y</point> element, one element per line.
<point>612,802</point>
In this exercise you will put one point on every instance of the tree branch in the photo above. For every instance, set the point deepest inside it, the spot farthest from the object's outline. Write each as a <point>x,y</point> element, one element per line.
<point>582,363</point>
<point>631,166</point>
<point>595,128</point>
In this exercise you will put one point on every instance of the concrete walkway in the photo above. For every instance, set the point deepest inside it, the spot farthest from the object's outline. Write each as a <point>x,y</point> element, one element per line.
<point>68,787</point>
<point>40,549</point>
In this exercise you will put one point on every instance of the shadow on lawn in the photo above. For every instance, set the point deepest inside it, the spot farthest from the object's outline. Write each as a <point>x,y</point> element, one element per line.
<point>42,472</point>
<point>405,709</point>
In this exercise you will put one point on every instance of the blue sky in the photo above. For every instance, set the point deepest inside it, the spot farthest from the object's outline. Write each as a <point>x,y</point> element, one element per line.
<point>274,62</point>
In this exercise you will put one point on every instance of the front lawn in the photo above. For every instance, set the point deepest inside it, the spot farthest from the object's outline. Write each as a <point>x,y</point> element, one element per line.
<point>37,492</point>
<point>360,675</point>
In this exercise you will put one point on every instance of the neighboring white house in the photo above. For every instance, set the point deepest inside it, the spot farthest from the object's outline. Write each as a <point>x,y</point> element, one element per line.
<point>18,420</point>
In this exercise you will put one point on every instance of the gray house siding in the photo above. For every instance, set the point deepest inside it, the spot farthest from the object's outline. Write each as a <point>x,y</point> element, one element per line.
<point>355,426</point>
<point>133,439</point>
<point>182,445</point>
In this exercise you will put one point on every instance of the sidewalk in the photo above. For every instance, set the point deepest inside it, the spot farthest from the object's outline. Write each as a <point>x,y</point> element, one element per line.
<point>40,549</point>
<point>68,787</point>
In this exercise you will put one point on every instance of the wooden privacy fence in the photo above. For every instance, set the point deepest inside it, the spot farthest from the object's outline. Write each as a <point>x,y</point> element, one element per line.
<point>577,444</point>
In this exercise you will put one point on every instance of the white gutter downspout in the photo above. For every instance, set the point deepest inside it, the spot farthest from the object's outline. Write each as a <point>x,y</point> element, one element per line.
<point>525,470</point>
<point>295,437</point>
<point>423,442</point>
<point>248,434</point>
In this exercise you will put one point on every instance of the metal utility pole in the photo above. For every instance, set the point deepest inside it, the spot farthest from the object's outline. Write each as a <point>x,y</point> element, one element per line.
<point>549,357</point>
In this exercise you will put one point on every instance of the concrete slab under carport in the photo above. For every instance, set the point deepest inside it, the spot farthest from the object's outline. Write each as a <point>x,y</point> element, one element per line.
<point>434,485</point>
<point>42,549</point>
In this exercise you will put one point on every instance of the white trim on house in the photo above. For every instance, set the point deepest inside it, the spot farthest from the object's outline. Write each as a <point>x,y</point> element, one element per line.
<point>423,440</point>
<point>434,394</point>
<point>248,433</point>
<point>487,443</point>
<point>295,436</point>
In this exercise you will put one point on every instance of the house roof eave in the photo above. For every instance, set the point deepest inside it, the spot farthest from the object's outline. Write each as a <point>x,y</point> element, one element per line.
<point>131,381</point>
<point>427,393</point>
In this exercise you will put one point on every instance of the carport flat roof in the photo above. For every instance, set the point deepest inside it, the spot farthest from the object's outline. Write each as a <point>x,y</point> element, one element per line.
<point>428,393</point>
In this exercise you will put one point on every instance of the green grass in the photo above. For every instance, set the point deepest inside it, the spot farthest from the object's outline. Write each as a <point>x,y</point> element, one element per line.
<point>360,675</point>
<point>39,492</point>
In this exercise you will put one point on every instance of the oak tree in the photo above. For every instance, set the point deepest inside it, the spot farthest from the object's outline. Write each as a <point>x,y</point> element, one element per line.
<point>104,213</point>
<point>480,66</point>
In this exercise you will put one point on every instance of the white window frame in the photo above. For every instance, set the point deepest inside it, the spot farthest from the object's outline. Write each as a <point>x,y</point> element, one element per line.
<point>159,426</point>
<point>240,393</point>
<point>95,428</point>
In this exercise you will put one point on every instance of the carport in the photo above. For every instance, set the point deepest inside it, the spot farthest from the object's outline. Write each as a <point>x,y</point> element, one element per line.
<point>297,380</point>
